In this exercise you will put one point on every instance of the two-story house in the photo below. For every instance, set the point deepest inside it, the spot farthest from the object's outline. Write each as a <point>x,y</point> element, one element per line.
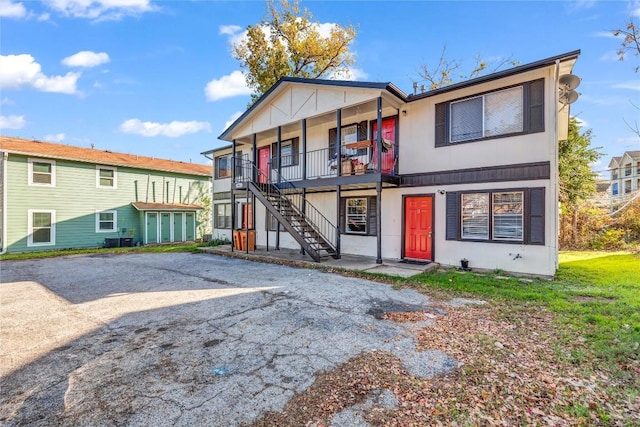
<point>58,196</point>
<point>467,171</point>
<point>625,175</point>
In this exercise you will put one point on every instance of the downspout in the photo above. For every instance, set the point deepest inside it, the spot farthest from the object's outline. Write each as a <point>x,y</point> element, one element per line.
<point>5,157</point>
<point>213,165</point>
<point>556,184</point>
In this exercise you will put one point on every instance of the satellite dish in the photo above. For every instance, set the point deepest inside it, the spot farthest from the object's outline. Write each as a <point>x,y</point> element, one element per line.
<point>569,81</point>
<point>569,97</point>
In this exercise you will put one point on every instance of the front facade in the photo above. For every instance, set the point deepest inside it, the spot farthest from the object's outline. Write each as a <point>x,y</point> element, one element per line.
<point>463,172</point>
<point>57,196</point>
<point>625,177</point>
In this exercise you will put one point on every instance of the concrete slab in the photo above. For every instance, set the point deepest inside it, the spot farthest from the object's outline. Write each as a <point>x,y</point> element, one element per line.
<point>183,339</point>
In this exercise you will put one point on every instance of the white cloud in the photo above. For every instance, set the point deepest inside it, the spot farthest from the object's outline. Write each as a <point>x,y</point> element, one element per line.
<point>232,119</point>
<point>227,86</point>
<point>582,123</point>
<point>12,122</point>
<point>58,137</point>
<point>43,17</point>
<point>171,130</point>
<point>101,10</point>
<point>631,84</point>
<point>86,59</point>
<point>17,71</point>
<point>230,30</point>
<point>9,9</point>
<point>350,73</point>
<point>607,34</point>
<point>610,56</point>
<point>6,101</point>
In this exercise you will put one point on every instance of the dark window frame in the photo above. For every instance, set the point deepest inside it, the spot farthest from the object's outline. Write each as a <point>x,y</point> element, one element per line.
<point>533,227</point>
<point>532,120</point>
<point>217,160</point>
<point>295,152</point>
<point>363,135</point>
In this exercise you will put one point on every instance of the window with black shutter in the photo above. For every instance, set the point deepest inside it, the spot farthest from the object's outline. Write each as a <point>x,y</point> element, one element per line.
<point>289,153</point>
<point>358,215</point>
<point>349,134</point>
<point>497,216</point>
<point>506,112</point>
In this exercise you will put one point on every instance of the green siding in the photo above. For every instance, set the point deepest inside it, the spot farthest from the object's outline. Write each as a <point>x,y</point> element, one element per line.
<point>75,200</point>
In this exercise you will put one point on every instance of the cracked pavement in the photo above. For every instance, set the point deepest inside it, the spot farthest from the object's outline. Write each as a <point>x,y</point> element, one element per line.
<point>185,339</point>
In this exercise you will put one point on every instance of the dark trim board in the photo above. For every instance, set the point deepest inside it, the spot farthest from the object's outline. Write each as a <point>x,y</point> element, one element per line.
<point>519,172</point>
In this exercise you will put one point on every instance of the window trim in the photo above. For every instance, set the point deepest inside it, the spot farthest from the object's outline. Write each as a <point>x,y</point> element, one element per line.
<point>216,207</point>
<point>366,215</point>
<point>295,152</point>
<point>216,168</point>
<point>534,205</point>
<point>114,229</point>
<point>493,217</point>
<point>31,161</point>
<point>30,242</point>
<point>533,113</point>
<point>115,177</point>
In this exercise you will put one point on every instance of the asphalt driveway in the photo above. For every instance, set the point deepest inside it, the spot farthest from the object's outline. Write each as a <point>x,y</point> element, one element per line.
<point>184,339</point>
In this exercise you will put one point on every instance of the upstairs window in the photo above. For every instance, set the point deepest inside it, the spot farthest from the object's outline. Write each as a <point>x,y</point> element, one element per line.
<point>511,111</point>
<point>289,153</point>
<point>42,172</point>
<point>349,134</point>
<point>627,170</point>
<point>106,177</point>
<point>223,167</point>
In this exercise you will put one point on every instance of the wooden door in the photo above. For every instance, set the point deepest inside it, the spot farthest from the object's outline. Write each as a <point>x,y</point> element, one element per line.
<point>263,164</point>
<point>418,227</point>
<point>165,227</point>
<point>190,226</point>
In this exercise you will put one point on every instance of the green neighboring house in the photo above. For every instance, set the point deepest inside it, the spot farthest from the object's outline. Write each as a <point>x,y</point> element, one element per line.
<point>55,196</point>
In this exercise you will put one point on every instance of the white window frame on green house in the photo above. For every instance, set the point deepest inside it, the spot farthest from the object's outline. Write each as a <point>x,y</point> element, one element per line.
<point>100,220</point>
<point>33,172</point>
<point>114,179</point>
<point>51,227</point>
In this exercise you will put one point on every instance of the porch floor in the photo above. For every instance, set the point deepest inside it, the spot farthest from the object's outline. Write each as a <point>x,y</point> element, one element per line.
<point>390,267</point>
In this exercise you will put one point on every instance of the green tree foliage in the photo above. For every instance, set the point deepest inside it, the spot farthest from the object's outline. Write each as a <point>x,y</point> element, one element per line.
<point>577,180</point>
<point>289,43</point>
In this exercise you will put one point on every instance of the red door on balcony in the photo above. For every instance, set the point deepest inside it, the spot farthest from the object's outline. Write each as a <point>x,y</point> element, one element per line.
<point>388,142</point>
<point>263,164</point>
<point>418,227</point>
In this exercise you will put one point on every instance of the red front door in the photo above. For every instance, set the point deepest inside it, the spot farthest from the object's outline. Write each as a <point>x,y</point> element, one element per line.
<point>418,227</point>
<point>388,148</point>
<point>263,164</point>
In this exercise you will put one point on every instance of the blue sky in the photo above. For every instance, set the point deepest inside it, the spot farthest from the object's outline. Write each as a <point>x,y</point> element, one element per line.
<point>158,79</point>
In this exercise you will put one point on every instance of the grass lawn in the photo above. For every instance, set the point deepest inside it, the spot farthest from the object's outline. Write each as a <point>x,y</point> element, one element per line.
<point>181,247</point>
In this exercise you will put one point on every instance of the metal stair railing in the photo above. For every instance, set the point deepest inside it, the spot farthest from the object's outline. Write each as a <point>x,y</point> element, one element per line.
<point>291,208</point>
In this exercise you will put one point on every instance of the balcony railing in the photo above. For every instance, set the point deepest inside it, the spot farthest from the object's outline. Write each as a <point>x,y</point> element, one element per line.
<point>323,163</point>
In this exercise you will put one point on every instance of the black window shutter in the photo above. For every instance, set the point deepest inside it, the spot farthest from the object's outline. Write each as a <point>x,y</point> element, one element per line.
<point>535,105</point>
<point>453,216</point>
<point>333,133</point>
<point>441,131</point>
<point>362,131</point>
<point>342,216</point>
<point>372,216</point>
<point>295,143</point>
<point>535,218</point>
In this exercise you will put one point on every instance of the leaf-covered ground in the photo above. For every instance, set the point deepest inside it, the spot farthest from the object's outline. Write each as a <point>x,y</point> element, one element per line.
<point>512,371</point>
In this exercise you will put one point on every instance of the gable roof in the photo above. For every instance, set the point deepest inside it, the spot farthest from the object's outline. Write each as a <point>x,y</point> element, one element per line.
<point>103,157</point>
<point>390,87</point>
<point>394,90</point>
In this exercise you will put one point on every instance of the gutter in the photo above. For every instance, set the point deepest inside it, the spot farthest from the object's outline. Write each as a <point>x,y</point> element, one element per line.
<point>5,157</point>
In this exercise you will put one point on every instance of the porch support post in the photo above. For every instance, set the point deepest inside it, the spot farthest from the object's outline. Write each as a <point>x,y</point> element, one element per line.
<point>279,167</point>
<point>338,144</point>
<point>379,135</point>
<point>379,221</point>
<point>233,194</point>
<point>254,159</point>
<point>338,228</point>
<point>303,124</point>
